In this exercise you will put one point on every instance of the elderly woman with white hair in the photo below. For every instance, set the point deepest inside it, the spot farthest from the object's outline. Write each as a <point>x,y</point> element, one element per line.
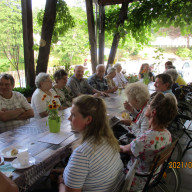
<point>42,95</point>
<point>138,95</point>
<point>119,79</point>
<point>111,72</point>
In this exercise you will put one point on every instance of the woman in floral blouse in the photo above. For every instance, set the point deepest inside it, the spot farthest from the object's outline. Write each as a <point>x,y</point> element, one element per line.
<point>161,111</point>
<point>61,89</point>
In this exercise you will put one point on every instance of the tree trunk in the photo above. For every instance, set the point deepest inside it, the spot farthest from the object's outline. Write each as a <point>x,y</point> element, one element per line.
<point>91,29</point>
<point>46,36</point>
<point>28,42</point>
<point>122,18</point>
<point>113,50</point>
<point>101,34</point>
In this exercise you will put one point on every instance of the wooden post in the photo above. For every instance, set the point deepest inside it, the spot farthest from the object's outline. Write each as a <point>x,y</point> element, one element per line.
<point>91,30</point>
<point>28,42</point>
<point>101,34</point>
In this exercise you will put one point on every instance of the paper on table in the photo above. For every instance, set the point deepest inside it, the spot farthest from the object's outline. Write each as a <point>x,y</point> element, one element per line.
<point>7,169</point>
<point>55,138</point>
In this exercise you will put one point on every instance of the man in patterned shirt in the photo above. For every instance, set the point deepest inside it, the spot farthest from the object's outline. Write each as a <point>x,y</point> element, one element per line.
<point>14,108</point>
<point>98,81</point>
<point>79,85</point>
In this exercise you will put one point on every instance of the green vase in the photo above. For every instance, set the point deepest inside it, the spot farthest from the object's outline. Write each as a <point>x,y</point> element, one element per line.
<point>54,125</point>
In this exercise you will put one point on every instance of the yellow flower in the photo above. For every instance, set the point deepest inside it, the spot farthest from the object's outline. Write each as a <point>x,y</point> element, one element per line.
<point>54,106</point>
<point>50,106</point>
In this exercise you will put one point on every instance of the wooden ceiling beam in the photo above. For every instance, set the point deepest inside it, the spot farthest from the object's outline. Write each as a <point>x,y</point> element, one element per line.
<point>110,2</point>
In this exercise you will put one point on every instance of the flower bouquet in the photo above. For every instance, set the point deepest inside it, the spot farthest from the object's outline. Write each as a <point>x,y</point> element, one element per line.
<point>131,78</point>
<point>54,120</point>
<point>145,76</point>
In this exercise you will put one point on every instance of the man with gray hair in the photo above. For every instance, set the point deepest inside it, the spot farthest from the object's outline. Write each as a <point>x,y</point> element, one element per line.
<point>79,85</point>
<point>14,108</point>
<point>98,81</point>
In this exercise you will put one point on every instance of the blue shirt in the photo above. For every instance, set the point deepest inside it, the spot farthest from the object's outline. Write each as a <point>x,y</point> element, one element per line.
<point>168,91</point>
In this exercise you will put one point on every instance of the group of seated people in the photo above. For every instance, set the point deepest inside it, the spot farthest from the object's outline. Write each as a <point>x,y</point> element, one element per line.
<point>95,163</point>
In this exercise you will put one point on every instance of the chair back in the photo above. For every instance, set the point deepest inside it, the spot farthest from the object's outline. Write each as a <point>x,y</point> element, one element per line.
<point>161,158</point>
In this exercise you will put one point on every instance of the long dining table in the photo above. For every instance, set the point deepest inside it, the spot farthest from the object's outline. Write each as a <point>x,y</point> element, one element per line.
<point>47,148</point>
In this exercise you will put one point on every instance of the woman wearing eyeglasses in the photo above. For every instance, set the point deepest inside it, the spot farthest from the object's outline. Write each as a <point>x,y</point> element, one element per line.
<point>43,95</point>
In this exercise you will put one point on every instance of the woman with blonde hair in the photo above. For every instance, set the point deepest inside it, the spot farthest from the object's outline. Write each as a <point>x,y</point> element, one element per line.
<point>160,112</point>
<point>95,164</point>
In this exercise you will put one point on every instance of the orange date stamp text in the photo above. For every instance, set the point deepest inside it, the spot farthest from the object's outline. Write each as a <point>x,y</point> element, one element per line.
<point>180,165</point>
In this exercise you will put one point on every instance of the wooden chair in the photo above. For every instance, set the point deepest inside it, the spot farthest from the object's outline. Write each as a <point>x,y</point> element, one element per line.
<point>162,159</point>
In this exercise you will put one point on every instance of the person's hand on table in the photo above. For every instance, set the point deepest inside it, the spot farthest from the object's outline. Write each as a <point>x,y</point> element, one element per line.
<point>128,107</point>
<point>115,89</point>
<point>126,121</point>
<point>97,95</point>
<point>104,94</point>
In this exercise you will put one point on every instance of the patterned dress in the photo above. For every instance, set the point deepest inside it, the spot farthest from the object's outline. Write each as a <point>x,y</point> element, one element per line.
<point>66,96</point>
<point>144,148</point>
<point>110,82</point>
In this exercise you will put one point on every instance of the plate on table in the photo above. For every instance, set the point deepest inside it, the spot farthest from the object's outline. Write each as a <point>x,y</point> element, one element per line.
<point>1,160</point>
<point>17,165</point>
<point>7,151</point>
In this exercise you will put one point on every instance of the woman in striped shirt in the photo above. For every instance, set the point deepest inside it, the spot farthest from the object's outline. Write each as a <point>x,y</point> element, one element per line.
<point>95,163</point>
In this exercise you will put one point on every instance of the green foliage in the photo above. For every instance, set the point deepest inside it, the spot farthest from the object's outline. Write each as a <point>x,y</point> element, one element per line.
<point>27,92</point>
<point>158,57</point>
<point>184,53</point>
<point>146,16</point>
<point>64,21</point>
<point>131,78</point>
<point>11,42</point>
<point>73,47</point>
<point>4,67</point>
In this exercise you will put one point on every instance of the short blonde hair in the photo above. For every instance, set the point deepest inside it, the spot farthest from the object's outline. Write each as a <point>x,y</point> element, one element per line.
<point>138,91</point>
<point>99,128</point>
